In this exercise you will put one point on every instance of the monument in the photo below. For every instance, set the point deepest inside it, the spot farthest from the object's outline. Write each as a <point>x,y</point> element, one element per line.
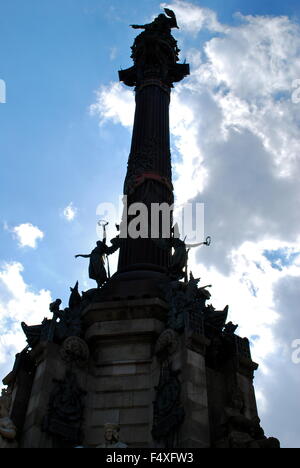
<point>142,360</point>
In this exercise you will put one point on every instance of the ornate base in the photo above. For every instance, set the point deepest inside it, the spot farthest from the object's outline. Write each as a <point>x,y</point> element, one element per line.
<point>163,388</point>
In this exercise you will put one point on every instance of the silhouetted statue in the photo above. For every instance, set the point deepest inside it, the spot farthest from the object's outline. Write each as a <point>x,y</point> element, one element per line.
<point>216,318</point>
<point>179,257</point>
<point>75,298</point>
<point>155,52</point>
<point>97,270</point>
<point>161,23</point>
<point>55,309</point>
<point>230,328</point>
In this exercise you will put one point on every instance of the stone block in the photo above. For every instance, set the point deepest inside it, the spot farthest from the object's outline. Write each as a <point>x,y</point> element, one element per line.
<point>195,393</point>
<point>189,442</point>
<point>101,417</point>
<point>32,438</point>
<point>125,310</point>
<point>194,375</point>
<point>135,434</point>
<point>142,398</point>
<point>134,416</point>
<point>33,403</point>
<point>246,386</point>
<point>40,370</point>
<point>125,328</point>
<point>127,399</point>
<point>122,368</point>
<point>196,430</point>
<point>112,400</point>
<point>195,360</point>
<point>108,351</point>
<point>121,383</point>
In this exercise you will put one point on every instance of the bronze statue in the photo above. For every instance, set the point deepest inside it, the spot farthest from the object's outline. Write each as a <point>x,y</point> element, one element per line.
<point>155,51</point>
<point>97,270</point>
<point>179,258</point>
<point>8,430</point>
<point>162,23</point>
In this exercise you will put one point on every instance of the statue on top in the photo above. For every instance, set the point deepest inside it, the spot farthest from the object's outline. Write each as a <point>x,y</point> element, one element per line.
<point>155,54</point>
<point>155,50</point>
<point>162,23</point>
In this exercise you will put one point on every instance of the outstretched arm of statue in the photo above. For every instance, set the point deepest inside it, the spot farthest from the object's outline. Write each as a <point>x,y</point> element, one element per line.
<point>83,256</point>
<point>138,26</point>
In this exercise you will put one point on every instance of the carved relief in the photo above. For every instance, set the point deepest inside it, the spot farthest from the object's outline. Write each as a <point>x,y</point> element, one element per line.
<point>65,412</point>
<point>168,410</point>
<point>75,350</point>
<point>167,344</point>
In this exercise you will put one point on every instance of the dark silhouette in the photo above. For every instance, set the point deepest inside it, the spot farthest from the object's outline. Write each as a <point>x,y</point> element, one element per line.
<point>97,270</point>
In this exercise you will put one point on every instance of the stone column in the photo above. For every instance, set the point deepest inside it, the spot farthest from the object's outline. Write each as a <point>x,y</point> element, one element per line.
<point>148,178</point>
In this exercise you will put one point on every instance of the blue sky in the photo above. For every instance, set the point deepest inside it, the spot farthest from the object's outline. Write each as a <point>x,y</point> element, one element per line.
<point>55,55</point>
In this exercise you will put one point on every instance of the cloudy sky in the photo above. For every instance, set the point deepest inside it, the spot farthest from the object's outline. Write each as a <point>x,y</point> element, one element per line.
<point>64,141</point>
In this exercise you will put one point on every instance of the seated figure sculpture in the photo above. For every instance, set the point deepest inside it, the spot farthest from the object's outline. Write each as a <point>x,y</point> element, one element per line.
<point>8,430</point>
<point>112,436</point>
<point>239,431</point>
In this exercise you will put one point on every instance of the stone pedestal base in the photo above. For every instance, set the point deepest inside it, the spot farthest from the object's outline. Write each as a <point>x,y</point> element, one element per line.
<point>164,389</point>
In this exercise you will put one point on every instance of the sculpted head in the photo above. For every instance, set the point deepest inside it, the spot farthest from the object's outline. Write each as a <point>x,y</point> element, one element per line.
<point>111,432</point>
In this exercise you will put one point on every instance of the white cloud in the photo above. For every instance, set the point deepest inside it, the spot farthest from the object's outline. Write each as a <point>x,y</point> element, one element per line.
<point>116,103</point>
<point>18,303</point>
<point>28,235</point>
<point>250,290</point>
<point>193,18</point>
<point>70,212</point>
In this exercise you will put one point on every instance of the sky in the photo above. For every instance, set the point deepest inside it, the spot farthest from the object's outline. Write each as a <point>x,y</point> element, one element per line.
<point>65,132</point>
